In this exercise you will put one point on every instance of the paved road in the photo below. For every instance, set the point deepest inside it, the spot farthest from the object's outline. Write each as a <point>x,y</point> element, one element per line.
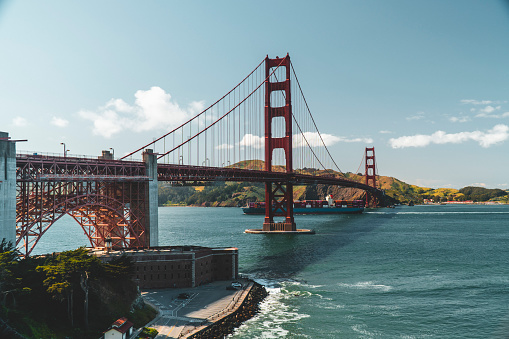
<point>205,304</point>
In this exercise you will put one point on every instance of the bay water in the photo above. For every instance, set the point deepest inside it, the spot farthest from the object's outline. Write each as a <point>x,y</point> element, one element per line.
<point>408,272</point>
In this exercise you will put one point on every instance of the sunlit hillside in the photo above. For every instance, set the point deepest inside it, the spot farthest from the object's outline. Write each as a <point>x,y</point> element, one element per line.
<point>239,194</point>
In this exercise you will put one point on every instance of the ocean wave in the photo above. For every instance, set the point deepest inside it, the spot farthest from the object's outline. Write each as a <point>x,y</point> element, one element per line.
<point>361,329</point>
<point>367,285</point>
<point>330,306</point>
<point>275,313</point>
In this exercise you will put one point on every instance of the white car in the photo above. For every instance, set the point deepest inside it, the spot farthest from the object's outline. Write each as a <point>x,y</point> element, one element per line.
<point>236,285</point>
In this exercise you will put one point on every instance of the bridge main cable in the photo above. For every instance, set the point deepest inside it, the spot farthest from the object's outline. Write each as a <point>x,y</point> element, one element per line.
<point>312,119</point>
<point>195,117</point>
<point>215,122</point>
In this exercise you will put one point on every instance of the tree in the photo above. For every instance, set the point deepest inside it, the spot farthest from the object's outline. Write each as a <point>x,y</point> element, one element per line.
<point>67,270</point>
<point>8,260</point>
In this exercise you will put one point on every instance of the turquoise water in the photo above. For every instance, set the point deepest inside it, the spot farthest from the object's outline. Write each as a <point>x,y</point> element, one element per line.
<point>409,272</point>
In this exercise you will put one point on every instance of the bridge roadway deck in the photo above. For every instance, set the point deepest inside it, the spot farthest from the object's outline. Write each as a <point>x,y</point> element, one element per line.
<point>207,304</point>
<point>57,168</point>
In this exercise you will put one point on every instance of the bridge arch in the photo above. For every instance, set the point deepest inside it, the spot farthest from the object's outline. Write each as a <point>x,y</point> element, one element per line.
<point>98,215</point>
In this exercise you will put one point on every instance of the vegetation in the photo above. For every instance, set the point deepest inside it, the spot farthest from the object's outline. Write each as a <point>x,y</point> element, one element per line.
<point>148,333</point>
<point>218,194</point>
<point>69,294</point>
<point>482,194</point>
<point>396,191</point>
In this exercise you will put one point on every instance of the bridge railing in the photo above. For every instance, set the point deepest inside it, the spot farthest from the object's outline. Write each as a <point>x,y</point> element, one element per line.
<point>23,153</point>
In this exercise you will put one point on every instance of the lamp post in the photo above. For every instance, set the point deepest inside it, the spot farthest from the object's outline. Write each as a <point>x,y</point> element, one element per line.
<point>65,149</point>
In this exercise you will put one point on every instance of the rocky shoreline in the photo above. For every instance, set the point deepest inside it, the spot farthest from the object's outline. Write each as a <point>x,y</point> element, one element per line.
<point>248,309</point>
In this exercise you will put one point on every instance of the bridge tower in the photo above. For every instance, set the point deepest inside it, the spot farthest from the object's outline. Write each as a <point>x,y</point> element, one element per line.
<point>7,188</point>
<point>370,175</point>
<point>278,195</point>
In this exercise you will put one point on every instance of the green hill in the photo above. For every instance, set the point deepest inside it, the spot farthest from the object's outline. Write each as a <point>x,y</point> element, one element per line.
<point>239,194</point>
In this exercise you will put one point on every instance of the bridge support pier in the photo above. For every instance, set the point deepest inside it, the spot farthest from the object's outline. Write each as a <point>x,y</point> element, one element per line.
<point>281,198</point>
<point>152,223</point>
<point>7,189</point>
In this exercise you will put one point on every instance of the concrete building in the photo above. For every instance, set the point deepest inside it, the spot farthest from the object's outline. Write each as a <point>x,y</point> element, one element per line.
<point>178,266</point>
<point>7,188</point>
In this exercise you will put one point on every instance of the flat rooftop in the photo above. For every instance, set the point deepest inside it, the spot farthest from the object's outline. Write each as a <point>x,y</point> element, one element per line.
<point>101,251</point>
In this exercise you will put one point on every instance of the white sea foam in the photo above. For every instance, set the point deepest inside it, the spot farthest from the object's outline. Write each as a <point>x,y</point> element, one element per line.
<point>367,285</point>
<point>361,329</point>
<point>274,313</point>
<point>330,306</point>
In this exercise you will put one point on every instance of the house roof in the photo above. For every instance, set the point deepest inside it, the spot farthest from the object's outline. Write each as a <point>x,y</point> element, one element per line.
<point>121,325</point>
<point>119,322</point>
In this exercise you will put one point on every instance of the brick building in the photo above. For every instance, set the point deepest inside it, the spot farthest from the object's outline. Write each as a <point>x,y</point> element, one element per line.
<point>178,266</point>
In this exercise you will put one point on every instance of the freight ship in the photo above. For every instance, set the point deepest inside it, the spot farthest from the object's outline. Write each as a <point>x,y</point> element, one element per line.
<point>329,206</point>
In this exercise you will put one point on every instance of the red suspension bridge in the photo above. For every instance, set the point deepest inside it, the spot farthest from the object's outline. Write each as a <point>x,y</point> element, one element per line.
<point>260,131</point>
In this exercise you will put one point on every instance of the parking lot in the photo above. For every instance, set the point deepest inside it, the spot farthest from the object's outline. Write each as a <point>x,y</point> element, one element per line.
<point>198,307</point>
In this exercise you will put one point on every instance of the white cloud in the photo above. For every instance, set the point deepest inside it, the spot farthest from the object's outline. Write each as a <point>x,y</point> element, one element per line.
<point>224,146</point>
<point>106,124</point>
<point>462,118</point>
<point>313,139</point>
<point>363,140</point>
<point>59,122</point>
<point>496,116</point>
<point>250,140</point>
<point>482,102</point>
<point>385,132</point>
<point>478,184</point>
<point>476,102</point>
<point>497,134</point>
<point>19,122</point>
<point>152,110</point>
<point>417,116</point>
<point>489,109</point>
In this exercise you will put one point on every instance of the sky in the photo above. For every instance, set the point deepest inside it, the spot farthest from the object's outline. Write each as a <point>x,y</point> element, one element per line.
<point>424,82</point>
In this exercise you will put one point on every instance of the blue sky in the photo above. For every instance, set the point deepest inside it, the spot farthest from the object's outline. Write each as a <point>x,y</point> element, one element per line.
<point>426,81</point>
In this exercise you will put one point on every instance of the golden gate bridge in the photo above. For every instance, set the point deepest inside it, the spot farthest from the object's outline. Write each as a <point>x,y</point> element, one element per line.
<point>260,131</point>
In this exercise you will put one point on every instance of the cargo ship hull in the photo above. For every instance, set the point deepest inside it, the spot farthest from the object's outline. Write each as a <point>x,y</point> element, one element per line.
<point>310,210</point>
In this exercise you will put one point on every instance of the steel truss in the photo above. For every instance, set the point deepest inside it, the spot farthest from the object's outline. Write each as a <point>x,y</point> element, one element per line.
<point>105,200</point>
